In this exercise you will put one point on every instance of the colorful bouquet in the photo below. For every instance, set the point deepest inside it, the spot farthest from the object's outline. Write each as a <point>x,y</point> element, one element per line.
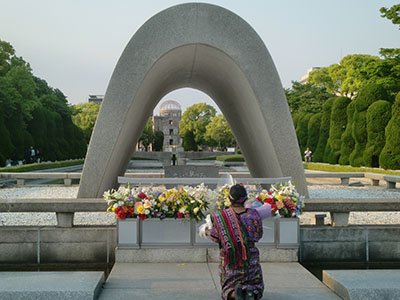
<point>143,203</point>
<point>283,198</point>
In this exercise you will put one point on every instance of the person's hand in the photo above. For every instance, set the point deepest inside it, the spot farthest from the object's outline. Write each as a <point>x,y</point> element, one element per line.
<point>214,239</point>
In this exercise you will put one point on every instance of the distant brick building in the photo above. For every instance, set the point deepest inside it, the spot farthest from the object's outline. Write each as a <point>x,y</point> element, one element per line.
<point>168,123</point>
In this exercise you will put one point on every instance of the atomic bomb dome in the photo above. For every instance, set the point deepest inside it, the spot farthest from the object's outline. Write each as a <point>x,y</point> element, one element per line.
<point>168,123</point>
<point>169,105</point>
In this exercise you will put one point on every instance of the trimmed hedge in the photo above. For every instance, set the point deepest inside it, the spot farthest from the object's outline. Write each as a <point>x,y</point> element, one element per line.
<point>302,130</point>
<point>390,155</point>
<point>378,115</point>
<point>347,141</point>
<point>368,94</point>
<point>43,166</point>
<point>324,130</point>
<point>359,134</point>
<point>337,127</point>
<point>337,168</point>
<point>232,157</point>
<point>313,131</point>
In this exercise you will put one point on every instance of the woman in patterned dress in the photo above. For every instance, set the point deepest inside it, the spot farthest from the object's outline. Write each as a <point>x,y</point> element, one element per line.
<point>237,229</point>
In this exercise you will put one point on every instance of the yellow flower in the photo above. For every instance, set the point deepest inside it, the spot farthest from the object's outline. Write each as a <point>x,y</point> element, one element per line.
<point>147,204</point>
<point>280,197</point>
<point>140,209</point>
<point>196,210</point>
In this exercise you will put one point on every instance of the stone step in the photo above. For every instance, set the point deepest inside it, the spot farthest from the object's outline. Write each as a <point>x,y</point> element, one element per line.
<point>363,284</point>
<point>50,285</point>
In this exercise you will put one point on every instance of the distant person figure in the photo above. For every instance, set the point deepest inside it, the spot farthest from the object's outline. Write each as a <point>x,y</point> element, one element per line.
<point>37,156</point>
<point>236,230</point>
<point>173,158</point>
<point>32,154</point>
<point>307,155</point>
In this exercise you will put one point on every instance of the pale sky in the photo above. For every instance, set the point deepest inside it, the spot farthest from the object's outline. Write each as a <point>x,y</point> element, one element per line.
<point>75,44</point>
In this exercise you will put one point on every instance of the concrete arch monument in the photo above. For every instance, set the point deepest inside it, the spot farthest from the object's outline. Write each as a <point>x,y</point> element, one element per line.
<point>208,48</point>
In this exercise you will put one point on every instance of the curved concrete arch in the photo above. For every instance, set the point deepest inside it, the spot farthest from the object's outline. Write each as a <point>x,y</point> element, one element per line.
<point>205,47</point>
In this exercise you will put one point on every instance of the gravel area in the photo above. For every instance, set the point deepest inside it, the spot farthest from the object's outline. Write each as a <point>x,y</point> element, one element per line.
<point>316,191</point>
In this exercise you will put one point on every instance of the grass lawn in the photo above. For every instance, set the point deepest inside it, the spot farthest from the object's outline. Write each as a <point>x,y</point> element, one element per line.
<point>43,166</point>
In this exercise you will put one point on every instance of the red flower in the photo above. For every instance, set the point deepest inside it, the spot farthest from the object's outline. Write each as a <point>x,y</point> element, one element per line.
<point>269,201</point>
<point>142,195</point>
<point>274,208</point>
<point>142,217</point>
<point>129,213</point>
<point>122,215</point>
<point>179,214</point>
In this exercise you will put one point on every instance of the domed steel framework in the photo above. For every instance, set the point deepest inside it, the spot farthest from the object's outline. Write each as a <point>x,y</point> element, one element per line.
<point>170,105</point>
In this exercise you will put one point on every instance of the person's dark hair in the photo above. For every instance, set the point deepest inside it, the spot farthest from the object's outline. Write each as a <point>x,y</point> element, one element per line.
<point>238,193</point>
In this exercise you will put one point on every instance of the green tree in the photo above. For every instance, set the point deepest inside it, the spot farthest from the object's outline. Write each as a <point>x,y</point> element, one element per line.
<point>218,130</point>
<point>378,115</point>
<point>347,77</point>
<point>337,127</point>
<point>158,140</point>
<point>147,136</point>
<point>189,142</point>
<point>306,98</point>
<point>195,119</point>
<point>393,14</point>
<point>347,141</point>
<point>33,114</point>
<point>390,155</point>
<point>84,116</point>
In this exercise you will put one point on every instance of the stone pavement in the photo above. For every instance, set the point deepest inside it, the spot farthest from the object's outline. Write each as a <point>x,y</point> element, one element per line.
<point>50,285</point>
<point>195,281</point>
<point>364,284</point>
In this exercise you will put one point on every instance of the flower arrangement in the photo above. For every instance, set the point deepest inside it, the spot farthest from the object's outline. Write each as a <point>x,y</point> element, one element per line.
<point>143,203</point>
<point>283,198</point>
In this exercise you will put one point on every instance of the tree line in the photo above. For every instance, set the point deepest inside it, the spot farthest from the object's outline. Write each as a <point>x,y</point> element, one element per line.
<point>33,114</point>
<point>349,112</point>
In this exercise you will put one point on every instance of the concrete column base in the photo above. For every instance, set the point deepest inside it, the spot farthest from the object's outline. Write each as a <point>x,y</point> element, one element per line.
<point>340,219</point>
<point>65,219</point>
<point>390,184</point>
<point>375,182</point>
<point>344,181</point>
<point>67,181</point>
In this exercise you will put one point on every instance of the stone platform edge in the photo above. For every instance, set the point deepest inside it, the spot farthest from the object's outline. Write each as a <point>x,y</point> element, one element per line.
<point>195,255</point>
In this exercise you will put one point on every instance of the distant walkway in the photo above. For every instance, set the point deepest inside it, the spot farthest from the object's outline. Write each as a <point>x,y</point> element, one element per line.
<point>200,281</point>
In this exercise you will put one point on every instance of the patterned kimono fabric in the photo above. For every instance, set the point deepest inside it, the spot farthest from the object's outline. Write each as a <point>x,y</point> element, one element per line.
<point>239,257</point>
